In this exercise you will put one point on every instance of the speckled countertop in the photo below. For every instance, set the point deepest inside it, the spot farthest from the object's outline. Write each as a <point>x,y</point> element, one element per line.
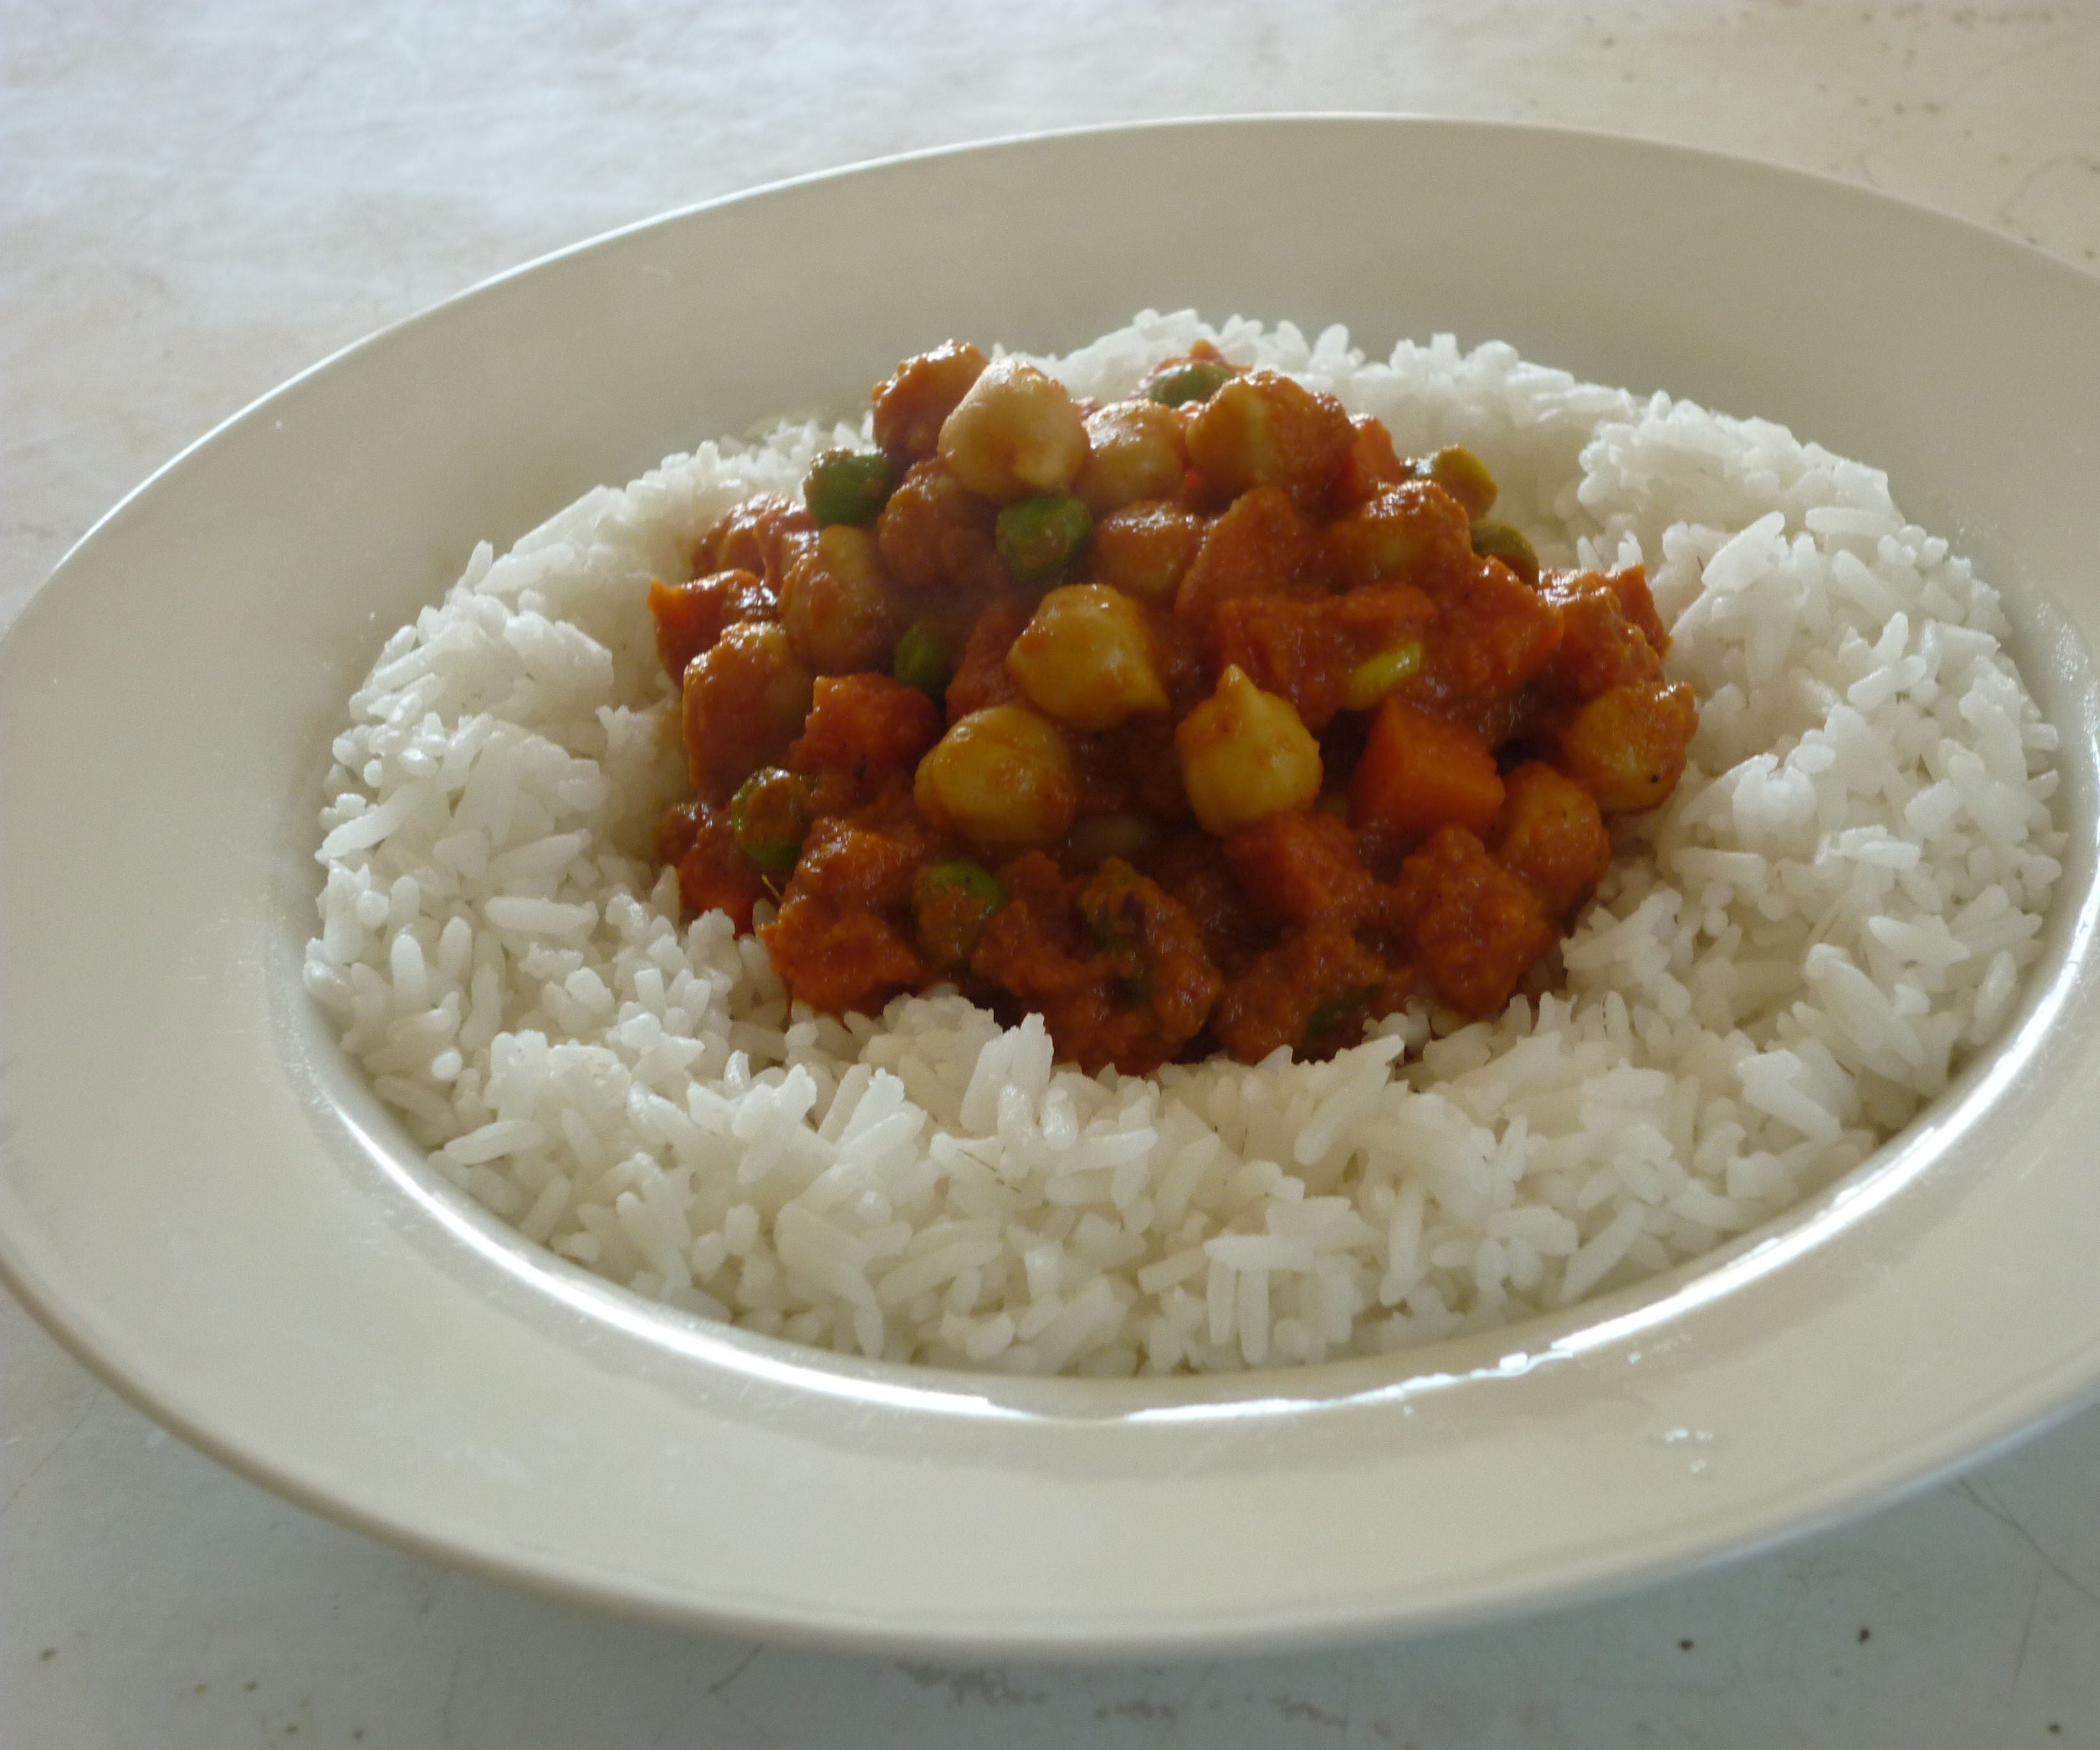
<point>197,199</point>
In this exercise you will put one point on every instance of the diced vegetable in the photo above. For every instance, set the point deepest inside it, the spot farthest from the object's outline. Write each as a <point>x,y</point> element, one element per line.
<point>1412,531</point>
<point>1326,653</point>
<point>696,839</point>
<point>1307,994</point>
<point>867,725</point>
<point>843,939</point>
<point>759,537</point>
<point>1301,869</point>
<point>934,533</point>
<point>744,701</point>
<point>1262,545</point>
<point>1154,950</point>
<point>1373,464</point>
<point>981,679</point>
<point>1477,928</point>
<point>1420,772</point>
<point>1492,636</point>
<point>689,617</point>
<point>1369,681</point>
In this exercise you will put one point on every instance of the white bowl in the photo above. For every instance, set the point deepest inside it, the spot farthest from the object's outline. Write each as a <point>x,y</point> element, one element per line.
<point>199,1197</point>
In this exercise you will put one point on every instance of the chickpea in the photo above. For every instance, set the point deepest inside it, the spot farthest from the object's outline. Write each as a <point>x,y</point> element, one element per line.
<point>1086,659</point>
<point>1002,778</point>
<point>1245,756</point>
<point>912,403</point>
<point>1143,548</point>
<point>745,700</point>
<point>1627,746</point>
<point>1264,430</point>
<point>1016,434</point>
<point>837,603</point>
<point>1135,451</point>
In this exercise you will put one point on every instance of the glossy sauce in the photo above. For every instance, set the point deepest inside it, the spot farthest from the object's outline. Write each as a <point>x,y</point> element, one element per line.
<point>1198,722</point>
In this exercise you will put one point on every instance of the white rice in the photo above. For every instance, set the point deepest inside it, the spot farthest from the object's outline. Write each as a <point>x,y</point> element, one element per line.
<point>1788,959</point>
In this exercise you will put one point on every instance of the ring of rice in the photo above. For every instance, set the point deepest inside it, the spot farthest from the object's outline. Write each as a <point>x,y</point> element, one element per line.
<point>1786,962</point>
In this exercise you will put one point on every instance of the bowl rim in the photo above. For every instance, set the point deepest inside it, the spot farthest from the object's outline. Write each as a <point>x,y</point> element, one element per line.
<point>1993,1424</point>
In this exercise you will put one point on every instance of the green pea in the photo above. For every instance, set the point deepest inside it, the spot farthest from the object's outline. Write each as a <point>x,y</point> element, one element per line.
<point>1038,537</point>
<point>951,903</point>
<point>1500,541</point>
<point>848,485</point>
<point>770,815</point>
<point>922,659</point>
<point>1464,476</point>
<point>1336,1013</point>
<point>973,881</point>
<point>1198,380</point>
<point>1115,916</point>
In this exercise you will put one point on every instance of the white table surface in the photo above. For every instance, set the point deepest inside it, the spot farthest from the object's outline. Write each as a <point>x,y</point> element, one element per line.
<point>198,197</point>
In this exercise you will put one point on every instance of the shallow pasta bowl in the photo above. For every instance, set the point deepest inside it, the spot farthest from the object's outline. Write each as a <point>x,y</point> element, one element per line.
<point>203,1200</point>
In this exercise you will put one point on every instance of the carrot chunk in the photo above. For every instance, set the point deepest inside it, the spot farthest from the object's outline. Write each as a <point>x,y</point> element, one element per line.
<point>1261,545</point>
<point>689,617</point>
<point>1419,773</point>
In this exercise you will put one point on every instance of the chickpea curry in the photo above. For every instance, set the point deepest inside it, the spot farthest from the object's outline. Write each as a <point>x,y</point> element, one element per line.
<point>1200,720</point>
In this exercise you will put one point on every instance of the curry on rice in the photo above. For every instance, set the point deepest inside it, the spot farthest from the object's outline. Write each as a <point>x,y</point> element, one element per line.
<point>1200,720</point>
